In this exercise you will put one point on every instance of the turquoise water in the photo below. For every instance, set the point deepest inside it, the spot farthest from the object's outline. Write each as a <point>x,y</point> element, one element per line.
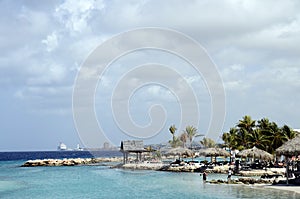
<point>103,182</point>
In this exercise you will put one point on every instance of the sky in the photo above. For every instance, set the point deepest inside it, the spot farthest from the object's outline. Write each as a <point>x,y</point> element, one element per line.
<point>254,46</point>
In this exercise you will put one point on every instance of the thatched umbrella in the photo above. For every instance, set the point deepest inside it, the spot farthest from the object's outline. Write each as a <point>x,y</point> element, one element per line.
<point>290,148</point>
<point>255,153</point>
<point>213,152</point>
<point>179,151</point>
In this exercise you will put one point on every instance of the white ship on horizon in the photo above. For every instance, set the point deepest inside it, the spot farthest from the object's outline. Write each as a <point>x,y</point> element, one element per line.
<point>62,147</point>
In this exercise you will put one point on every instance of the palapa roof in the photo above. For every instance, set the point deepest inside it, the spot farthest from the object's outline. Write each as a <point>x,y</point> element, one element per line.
<point>291,147</point>
<point>179,151</point>
<point>132,146</point>
<point>214,152</point>
<point>256,153</point>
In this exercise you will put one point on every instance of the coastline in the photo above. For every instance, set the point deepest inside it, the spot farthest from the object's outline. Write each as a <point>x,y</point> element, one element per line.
<point>293,188</point>
<point>153,166</point>
<point>286,188</point>
<point>156,165</point>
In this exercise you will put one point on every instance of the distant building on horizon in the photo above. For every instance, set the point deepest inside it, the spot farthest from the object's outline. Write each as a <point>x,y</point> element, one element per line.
<point>106,145</point>
<point>298,130</point>
<point>78,148</point>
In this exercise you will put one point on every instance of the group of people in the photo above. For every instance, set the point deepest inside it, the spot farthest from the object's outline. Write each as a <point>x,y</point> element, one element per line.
<point>204,175</point>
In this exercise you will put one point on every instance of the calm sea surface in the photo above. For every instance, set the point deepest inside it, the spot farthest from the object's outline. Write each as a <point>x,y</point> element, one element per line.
<point>103,182</point>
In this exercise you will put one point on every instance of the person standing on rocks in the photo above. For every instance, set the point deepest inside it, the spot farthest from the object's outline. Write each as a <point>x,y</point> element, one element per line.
<point>229,175</point>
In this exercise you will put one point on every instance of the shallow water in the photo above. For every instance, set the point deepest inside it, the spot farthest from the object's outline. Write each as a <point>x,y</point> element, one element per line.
<point>103,182</point>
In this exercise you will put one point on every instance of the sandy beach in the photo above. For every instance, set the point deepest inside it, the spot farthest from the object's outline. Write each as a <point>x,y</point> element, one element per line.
<point>293,188</point>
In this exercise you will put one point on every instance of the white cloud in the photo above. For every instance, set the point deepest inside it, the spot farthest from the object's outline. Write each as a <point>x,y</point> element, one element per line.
<point>155,91</point>
<point>236,85</point>
<point>46,74</point>
<point>32,21</point>
<point>256,51</point>
<point>235,78</point>
<point>51,41</point>
<point>75,15</point>
<point>193,79</point>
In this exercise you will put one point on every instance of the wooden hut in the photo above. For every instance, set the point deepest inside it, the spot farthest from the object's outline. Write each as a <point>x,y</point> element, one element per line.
<point>132,146</point>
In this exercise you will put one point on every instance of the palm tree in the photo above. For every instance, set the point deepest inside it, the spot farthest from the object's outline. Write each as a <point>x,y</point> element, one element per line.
<point>247,124</point>
<point>245,127</point>
<point>265,135</point>
<point>257,139</point>
<point>208,143</point>
<point>226,139</point>
<point>183,138</point>
<point>290,134</point>
<point>242,139</point>
<point>263,123</point>
<point>265,127</point>
<point>230,138</point>
<point>172,130</point>
<point>191,132</point>
<point>175,142</point>
<point>276,137</point>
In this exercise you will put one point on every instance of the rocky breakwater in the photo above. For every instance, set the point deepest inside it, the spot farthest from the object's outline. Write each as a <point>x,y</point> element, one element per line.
<point>68,162</point>
<point>142,166</point>
<point>181,168</point>
<point>260,172</point>
<point>218,169</point>
<point>247,181</point>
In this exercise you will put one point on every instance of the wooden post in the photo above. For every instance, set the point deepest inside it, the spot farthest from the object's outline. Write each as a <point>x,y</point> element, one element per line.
<point>140,157</point>
<point>287,170</point>
<point>287,173</point>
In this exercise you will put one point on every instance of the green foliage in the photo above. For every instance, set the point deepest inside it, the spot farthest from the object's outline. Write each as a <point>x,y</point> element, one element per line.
<point>191,132</point>
<point>157,154</point>
<point>183,138</point>
<point>208,143</point>
<point>263,134</point>
<point>188,134</point>
<point>175,142</point>
<point>173,130</point>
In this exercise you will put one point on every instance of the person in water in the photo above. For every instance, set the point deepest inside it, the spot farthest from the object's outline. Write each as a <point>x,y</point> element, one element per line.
<point>204,174</point>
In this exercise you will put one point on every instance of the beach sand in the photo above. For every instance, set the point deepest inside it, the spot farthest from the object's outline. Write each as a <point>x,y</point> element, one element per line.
<point>293,188</point>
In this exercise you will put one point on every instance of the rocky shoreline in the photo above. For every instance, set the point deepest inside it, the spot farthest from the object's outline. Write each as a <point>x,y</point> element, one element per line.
<point>156,166</point>
<point>250,180</point>
<point>147,165</point>
<point>159,166</point>
<point>68,161</point>
<point>243,180</point>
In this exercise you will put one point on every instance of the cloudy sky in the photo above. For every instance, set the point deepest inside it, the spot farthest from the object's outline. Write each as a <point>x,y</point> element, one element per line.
<point>254,45</point>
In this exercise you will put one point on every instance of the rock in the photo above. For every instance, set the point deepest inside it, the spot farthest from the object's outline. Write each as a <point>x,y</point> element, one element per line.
<point>213,181</point>
<point>65,162</point>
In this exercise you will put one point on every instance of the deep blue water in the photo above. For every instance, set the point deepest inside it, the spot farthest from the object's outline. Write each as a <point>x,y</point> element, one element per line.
<point>103,182</point>
<point>31,155</point>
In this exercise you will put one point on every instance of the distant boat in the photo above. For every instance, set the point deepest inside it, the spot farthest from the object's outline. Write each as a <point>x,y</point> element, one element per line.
<point>78,148</point>
<point>62,147</point>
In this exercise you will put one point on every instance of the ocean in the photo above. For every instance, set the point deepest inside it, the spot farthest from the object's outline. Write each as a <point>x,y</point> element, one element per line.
<point>100,181</point>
